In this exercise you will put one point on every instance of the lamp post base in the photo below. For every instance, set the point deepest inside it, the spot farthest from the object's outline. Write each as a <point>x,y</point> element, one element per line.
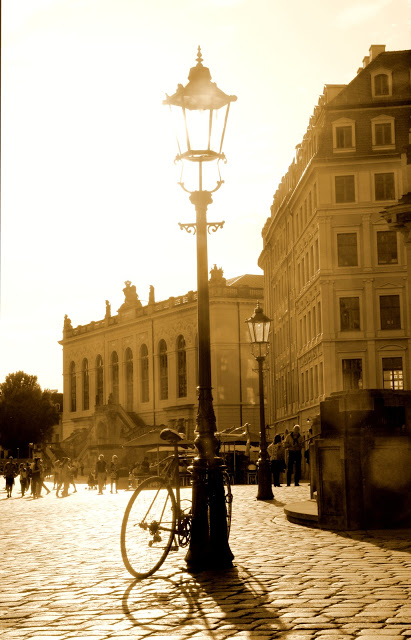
<point>209,548</point>
<point>265,491</point>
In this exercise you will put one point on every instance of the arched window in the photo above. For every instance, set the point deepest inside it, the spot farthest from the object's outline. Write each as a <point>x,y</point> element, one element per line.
<point>99,382</point>
<point>163,369</point>
<point>85,385</point>
<point>114,377</point>
<point>144,373</point>
<point>129,379</point>
<point>73,390</point>
<point>181,367</point>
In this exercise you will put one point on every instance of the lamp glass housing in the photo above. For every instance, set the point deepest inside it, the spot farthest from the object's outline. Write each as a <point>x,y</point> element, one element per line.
<point>259,328</point>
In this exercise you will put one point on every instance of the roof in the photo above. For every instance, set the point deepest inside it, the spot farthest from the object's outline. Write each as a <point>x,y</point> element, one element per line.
<point>248,280</point>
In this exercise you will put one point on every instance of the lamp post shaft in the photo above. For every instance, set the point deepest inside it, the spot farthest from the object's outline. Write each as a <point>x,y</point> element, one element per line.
<point>265,491</point>
<point>209,546</point>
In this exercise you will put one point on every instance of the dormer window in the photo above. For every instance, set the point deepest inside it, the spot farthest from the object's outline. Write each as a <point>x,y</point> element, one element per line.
<point>343,135</point>
<point>381,83</point>
<point>381,87</point>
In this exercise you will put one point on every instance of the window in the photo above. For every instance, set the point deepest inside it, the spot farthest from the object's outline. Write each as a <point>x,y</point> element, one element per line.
<point>343,135</point>
<point>350,314</point>
<point>392,373</point>
<point>181,368</point>
<point>344,189</point>
<point>129,379</point>
<point>381,85</point>
<point>144,373</point>
<point>163,366</point>
<point>383,132</point>
<point>347,249</point>
<point>352,374</point>
<point>387,247</point>
<point>99,381</point>
<point>390,312</point>
<point>73,389</point>
<point>85,385</point>
<point>114,378</point>
<point>384,186</point>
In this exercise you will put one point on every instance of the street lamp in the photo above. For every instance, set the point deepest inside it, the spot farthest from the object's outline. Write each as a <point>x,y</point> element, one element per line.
<point>201,111</point>
<point>259,328</point>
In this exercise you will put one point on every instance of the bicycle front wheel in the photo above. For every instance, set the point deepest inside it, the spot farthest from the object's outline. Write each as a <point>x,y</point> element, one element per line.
<point>148,527</point>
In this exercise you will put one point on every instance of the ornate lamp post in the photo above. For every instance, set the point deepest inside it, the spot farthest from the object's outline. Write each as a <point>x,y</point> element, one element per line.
<point>259,328</point>
<point>202,110</point>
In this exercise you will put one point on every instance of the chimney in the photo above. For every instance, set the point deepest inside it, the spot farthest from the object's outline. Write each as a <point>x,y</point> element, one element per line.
<point>375,50</point>
<point>365,61</point>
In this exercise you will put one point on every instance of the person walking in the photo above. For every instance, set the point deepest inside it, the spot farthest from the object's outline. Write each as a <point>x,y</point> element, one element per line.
<point>9,472</point>
<point>101,473</point>
<point>23,478</point>
<point>294,443</point>
<point>36,478</point>
<point>73,475</point>
<point>277,456</point>
<point>113,470</point>
<point>65,476</point>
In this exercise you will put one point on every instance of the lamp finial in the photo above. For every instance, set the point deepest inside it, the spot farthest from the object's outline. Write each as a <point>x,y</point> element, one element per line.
<point>199,57</point>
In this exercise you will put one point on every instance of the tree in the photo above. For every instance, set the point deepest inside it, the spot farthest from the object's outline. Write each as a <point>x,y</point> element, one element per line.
<point>27,414</point>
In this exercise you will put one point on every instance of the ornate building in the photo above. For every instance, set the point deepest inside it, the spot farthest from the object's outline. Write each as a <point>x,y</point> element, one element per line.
<point>336,274</point>
<point>135,370</point>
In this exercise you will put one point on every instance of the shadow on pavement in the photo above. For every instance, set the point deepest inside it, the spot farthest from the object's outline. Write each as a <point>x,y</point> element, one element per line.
<point>392,539</point>
<point>211,602</point>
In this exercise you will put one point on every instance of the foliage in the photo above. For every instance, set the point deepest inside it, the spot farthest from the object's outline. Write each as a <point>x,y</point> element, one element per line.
<point>27,414</point>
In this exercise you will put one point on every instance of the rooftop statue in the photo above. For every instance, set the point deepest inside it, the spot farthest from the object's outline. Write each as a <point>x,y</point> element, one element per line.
<point>131,297</point>
<point>67,323</point>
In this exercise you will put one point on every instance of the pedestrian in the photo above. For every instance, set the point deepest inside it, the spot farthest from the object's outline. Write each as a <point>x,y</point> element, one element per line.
<point>72,472</point>
<point>36,478</point>
<point>307,444</point>
<point>294,443</point>
<point>43,473</point>
<point>101,473</point>
<point>277,457</point>
<point>23,478</point>
<point>9,472</point>
<point>91,481</point>
<point>113,470</point>
<point>65,476</point>
<point>56,472</point>
<point>145,466</point>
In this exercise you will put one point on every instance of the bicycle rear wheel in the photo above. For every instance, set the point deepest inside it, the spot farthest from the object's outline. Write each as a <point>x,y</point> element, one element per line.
<point>228,500</point>
<point>148,527</point>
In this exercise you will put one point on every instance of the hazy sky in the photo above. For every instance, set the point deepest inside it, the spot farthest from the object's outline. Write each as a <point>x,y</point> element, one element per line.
<point>89,189</point>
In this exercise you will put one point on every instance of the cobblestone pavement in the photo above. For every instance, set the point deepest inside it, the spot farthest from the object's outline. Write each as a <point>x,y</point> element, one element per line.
<point>62,577</point>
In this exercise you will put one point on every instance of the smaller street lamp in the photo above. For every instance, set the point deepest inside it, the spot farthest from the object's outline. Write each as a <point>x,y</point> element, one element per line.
<point>259,328</point>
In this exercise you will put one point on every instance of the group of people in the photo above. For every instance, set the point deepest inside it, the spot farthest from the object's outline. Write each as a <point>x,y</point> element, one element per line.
<point>31,476</point>
<point>103,471</point>
<point>286,454</point>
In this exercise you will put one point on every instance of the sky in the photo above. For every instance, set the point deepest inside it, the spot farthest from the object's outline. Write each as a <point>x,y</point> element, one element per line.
<point>89,193</point>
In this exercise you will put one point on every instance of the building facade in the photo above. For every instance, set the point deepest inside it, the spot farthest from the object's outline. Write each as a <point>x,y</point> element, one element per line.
<point>336,275</point>
<point>133,371</point>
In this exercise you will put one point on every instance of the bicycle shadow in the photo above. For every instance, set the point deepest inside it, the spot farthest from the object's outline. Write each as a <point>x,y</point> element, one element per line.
<point>216,602</point>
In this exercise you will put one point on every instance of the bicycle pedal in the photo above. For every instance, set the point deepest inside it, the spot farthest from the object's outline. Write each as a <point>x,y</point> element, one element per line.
<point>174,547</point>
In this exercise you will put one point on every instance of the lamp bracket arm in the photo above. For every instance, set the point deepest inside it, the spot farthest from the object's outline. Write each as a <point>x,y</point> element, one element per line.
<point>213,226</point>
<point>189,227</point>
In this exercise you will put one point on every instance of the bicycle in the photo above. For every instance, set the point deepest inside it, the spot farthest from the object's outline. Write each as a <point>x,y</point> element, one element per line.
<point>155,520</point>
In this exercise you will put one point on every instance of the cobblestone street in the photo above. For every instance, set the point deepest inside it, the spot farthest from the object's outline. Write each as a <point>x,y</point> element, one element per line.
<point>62,576</point>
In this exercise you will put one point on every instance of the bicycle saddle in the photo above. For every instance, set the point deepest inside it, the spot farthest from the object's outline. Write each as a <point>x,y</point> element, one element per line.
<point>170,435</point>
